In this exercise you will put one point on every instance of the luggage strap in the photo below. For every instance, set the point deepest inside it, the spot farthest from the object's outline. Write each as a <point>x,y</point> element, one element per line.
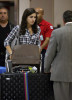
<point>26,86</point>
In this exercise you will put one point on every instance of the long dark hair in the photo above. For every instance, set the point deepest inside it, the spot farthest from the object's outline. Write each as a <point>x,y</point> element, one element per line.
<point>23,26</point>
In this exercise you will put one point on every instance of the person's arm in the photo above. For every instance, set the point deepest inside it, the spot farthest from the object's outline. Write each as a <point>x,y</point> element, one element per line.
<point>9,49</point>
<point>50,53</point>
<point>44,44</point>
<point>10,38</point>
<point>48,31</point>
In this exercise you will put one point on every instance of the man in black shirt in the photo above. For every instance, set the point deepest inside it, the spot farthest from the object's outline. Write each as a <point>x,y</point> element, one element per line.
<point>5,28</point>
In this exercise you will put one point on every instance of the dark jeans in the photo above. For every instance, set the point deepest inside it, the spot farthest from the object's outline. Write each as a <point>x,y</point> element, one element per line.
<point>43,56</point>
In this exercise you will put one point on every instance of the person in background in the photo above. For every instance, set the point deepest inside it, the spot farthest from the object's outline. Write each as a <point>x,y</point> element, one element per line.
<point>58,26</point>
<point>58,59</point>
<point>46,30</point>
<point>28,31</point>
<point>5,28</point>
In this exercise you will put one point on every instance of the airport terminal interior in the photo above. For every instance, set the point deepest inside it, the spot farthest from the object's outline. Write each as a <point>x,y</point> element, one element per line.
<point>22,78</point>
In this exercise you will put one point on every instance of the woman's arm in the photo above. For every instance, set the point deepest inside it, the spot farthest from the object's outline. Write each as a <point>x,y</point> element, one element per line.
<point>9,49</point>
<point>10,38</point>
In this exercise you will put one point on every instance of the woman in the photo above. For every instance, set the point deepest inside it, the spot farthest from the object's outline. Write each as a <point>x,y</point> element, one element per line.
<point>28,30</point>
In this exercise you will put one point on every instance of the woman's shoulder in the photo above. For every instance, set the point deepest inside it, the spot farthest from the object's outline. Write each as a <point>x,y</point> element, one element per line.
<point>16,28</point>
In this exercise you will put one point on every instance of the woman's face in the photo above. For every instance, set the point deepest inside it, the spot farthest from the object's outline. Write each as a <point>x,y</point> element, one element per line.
<point>31,19</point>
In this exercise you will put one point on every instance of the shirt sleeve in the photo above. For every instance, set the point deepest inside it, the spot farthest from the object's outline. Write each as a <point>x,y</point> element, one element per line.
<point>11,36</point>
<point>48,30</point>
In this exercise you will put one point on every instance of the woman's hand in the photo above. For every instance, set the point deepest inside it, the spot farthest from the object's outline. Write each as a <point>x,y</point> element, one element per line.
<point>10,51</point>
<point>10,56</point>
<point>40,49</point>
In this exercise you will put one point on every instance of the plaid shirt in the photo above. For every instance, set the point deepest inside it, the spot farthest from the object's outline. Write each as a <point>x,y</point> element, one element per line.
<point>23,39</point>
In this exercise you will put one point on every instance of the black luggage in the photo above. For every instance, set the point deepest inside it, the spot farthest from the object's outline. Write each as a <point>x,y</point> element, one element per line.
<point>13,87</point>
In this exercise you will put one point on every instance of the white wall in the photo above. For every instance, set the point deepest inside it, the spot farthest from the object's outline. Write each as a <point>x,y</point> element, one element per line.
<point>59,7</point>
<point>23,4</point>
